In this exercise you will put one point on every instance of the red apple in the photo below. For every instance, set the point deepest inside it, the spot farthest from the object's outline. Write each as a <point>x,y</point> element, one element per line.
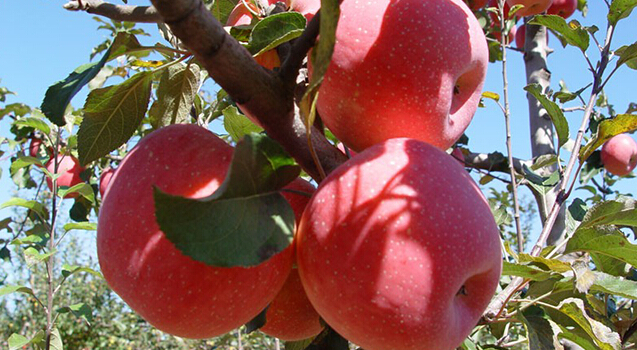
<point>398,249</point>
<point>494,16</point>
<point>458,155</point>
<point>105,180</point>
<point>34,146</point>
<point>69,169</point>
<point>531,7</point>
<point>562,8</point>
<point>497,35</point>
<point>619,155</point>
<point>173,292</point>
<point>307,8</point>
<point>290,315</point>
<point>412,68</point>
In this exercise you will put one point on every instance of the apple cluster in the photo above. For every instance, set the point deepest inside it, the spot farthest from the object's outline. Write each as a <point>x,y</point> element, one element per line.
<point>396,248</point>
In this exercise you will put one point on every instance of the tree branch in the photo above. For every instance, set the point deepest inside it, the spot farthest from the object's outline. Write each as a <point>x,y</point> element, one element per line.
<point>126,13</point>
<point>263,95</point>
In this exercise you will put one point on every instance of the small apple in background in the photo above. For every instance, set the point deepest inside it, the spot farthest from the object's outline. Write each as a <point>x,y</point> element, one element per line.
<point>173,292</point>
<point>495,19</point>
<point>562,8</point>
<point>398,249</point>
<point>531,7</point>
<point>69,169</point>
<point>497,35</point>
<point>290,315</point>
<point>619,155</point>
<point>34,146</point>
<point>387,79</point>
<point>307,8</point>
<point>105,180</point>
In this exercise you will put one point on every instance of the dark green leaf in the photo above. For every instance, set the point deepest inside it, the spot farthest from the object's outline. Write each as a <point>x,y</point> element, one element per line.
<point>59,95</point>
<point>176,93</point>
<point>603,336</point>
<point>628,55</point>
<point>221,9</point>
<point>68,270</point>
<point>622,211</point>
<point>571,33</point>
<point>238,125</point>
<point>554,111</point>
<point>608,128</point>
<point>257,322</point>
<point>246,220</point>
<point>605,241</point>
<point>540,334</point>
<point>620,9</point>
<point>111,116</point>
<point>578,209</point>
<point>126,44</point>
<point>328,339</point>
<point>80,310</point>
<point>275,30</point>
<point>80,210</point>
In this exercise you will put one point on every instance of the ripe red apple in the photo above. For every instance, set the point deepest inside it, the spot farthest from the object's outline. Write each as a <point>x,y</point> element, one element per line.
<point>497,35</point>
<point>531,7</point>
<point>70,169</point>
<point>495,20</point>
<point>562,8</point>
<point>398,249</point>
<point>619,155</point>
<point>105,180</point>
<point>307,8</point>
<point>290,315</point>
<point>173,292</point>
<point>412,68</point>
<point>458,155</point>
<point>34,146</point>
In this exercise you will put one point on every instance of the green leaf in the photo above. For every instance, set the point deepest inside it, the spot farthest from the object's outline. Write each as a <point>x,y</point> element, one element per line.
<point>602,335</point>
<point>328,339</point>
<point>246,220</point>
<point>628,55</point>
<point>23,162</point>
<point>35,123</point>
<point>540,332</point>
<point>126,44</point>
<point>56,340</point>
<point>111,116</point>
<point>620,9</point>
<point>604,241</point>
<point>571,33</point>
<point>614,285</point>
<point>238,125</point>
<point>16,341</point>
<point>298,344</point>
<point>554,111</point>
<point>176,93</point>
<point>551,264</point>
<point>622,211</point>
<point>36,206</point>
<point>275,30</point>
<point>80,310</point>
<point>85,226</point>
<point>15,289</point>
<point>525,271</point>
<point>321,54</point>
<point>68,270</point>
<point>60,94</point>
<point>17,109</point>
<point>221,9</point>
<point>608,128</point>
<point>33,256</point>
<point>85,190</point>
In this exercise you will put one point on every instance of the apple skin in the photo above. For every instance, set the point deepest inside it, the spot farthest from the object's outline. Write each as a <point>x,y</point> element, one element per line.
<point>105,180</point>
<point>562,8</point>
<point>619,155</point>
<point>531,7</point>
<point>70,169</point>
<point>173,292</point>
<point>497,35</point>
<point>458,155</point>
<point>398,249</point>
<point>290,315</point>
<point>390,76</point>
<point>34,147</point>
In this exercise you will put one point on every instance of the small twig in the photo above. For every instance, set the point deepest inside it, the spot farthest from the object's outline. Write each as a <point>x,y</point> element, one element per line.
<point>293,62</point>
<point>126,13</point>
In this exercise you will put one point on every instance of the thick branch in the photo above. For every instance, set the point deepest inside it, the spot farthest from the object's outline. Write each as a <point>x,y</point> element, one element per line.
<point>494,162</point>
<point>127,13</point>
<point>262,94</point>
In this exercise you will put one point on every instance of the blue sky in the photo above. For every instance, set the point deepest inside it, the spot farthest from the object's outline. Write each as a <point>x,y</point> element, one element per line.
<point>43,43</point>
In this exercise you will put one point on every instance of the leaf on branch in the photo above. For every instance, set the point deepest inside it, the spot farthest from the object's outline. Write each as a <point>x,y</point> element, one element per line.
<point>605,241</point>
<point>23,162</point>
<point>620,9</point>
<point>68,270</point>
<point>491,95</point>
<point>84,226</point>
<point>60,94</point>
<point>111,116</point>
<point>628,55</point>
<point>571,33</point>
<point>83,189</point>
<point>36,123</point>
<point>554,111</point>
<point>36,206</point>
<point>247,220</point>
<point>608,128</point>
<point>614,285</point>
<point>33,256</point>
<point>221,9</point>
<point>17,341</point>
<point>541,334</point>
<point>525,271</point>
<point>321,55</point>
<point>126,44</point>
<point>176,93</point>
<point>275,30</point>
<point>238,125</point>
<point>552,264</point>
<point>80,310</point>
<point>15,289</point>
<point>602,335</point>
